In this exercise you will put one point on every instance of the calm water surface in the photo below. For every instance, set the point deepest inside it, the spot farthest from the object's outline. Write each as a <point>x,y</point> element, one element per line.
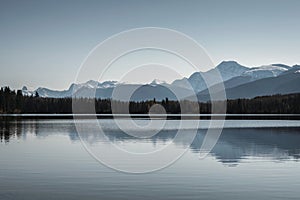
<point>44,159</point>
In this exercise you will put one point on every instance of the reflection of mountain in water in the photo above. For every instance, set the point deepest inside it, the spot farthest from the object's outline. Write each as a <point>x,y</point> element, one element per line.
<point>237,144</point>
<point>233,146</point>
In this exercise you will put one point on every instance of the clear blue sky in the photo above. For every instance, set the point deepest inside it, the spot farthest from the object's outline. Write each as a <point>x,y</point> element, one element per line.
<point>42,43</point>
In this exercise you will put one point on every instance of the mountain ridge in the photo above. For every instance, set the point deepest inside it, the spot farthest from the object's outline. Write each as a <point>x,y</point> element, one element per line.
<point>232,73</point>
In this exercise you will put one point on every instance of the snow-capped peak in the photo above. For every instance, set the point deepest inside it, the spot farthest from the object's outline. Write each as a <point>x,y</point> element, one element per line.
<point>91,84</point>
<point>231,66</point>
<point>266,71</point>
<point>26,92</point>
<point>108,84</point>
<point>157,82</point>
<point>94,84</point>
<point>298,71</point>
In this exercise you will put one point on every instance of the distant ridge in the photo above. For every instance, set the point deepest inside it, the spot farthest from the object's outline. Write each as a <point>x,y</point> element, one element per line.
<point>239,81</point>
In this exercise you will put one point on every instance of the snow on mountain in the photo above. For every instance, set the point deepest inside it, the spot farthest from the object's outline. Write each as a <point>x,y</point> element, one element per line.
<point>45,92</point>
<point>266,71</point>
<point>157,82</point>
<point>230,69</point>
<point>286,82</point>
<point>73,89</point>
<point>108,84</point>
<point>226,69</point>
<point>253,74</point>
<point>95,84</point>
<point>26,92</point>
<point>232,73</point>
<point>293,70</point>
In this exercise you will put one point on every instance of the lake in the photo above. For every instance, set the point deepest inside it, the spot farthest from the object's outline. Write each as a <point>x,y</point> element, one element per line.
<point>253,159</point>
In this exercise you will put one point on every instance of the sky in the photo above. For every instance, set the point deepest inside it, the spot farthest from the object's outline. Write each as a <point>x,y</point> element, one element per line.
<point>43,43</point>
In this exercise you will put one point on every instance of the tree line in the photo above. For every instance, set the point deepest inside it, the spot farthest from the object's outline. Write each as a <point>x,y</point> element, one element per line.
<point>14,102</point>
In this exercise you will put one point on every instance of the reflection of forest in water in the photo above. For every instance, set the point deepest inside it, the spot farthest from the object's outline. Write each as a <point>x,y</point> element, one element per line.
<point>234,145</point>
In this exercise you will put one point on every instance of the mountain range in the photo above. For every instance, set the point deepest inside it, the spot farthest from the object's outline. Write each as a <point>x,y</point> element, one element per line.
<point>239,82</point>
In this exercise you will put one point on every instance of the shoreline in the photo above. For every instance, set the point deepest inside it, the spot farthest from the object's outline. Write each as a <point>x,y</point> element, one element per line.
<point>156,116</point>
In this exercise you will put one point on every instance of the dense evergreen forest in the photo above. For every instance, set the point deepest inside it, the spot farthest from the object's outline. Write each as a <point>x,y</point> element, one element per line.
<point>13,102</point>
